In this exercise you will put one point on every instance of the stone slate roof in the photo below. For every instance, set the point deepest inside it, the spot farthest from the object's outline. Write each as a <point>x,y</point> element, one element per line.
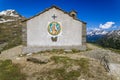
<point>56,8</point>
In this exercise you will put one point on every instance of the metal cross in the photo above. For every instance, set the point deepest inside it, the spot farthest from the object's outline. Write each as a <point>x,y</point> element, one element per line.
<point>54,16</point>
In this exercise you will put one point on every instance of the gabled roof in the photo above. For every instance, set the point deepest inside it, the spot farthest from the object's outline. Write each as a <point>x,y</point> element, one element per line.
<point>51,8</point>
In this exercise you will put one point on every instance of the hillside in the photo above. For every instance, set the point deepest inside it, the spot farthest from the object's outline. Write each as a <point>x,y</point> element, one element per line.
<point>10,29</point>
<point>95,34</point>
<point>105,38</point>
<point>71,65</point>
<point>111,40</point>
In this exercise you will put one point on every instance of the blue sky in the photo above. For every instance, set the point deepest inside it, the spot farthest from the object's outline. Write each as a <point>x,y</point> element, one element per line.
<point>104,14</point>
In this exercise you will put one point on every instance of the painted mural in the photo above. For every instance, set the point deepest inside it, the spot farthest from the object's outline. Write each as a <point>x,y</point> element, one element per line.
<point>54,28</point>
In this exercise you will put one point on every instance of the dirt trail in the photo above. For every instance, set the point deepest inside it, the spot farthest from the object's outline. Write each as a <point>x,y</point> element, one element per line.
<point>91,46</point>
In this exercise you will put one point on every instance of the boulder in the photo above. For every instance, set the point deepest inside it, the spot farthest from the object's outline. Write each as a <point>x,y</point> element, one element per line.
<point>36,60</point>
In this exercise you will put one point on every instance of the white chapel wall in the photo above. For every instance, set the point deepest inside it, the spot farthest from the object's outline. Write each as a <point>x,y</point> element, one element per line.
<point>37,30</point>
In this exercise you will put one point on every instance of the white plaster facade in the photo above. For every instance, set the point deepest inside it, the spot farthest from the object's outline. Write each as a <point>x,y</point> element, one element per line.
<point>38,35</point>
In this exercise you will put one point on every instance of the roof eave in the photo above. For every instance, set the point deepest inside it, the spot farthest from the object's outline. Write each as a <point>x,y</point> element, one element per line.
<point>51,8</point>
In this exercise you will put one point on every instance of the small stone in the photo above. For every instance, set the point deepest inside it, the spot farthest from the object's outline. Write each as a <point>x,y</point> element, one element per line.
<point>68,51</point>
<point>29,54</point>
<point>82,79</point>
<point>118,78</point>
<point>35,60</point>
<point>21,55</point>
<point>18,58</point>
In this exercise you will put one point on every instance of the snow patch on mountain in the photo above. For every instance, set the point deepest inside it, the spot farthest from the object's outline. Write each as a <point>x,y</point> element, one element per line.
<point>96,32</point>
<point>114,34</point>
<point>9,15</point>
<point>9,12</point>
<point>3,20</point>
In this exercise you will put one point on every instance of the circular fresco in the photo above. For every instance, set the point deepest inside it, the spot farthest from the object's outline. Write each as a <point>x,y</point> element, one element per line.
<point>54,28</point>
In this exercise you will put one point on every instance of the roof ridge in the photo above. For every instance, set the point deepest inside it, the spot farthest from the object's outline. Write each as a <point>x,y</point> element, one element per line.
<point>53,6</point>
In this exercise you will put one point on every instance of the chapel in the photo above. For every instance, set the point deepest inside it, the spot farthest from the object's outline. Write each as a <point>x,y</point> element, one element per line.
<point>53,28</point>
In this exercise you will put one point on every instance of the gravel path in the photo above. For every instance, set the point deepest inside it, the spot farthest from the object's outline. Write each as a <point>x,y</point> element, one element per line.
<point>115,70</point>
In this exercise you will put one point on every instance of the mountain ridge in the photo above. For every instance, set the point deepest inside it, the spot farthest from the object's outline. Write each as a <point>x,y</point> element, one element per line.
<point>9,15</point>
<point>10,12</point>
<point>96,34</point>
<point>10,29</point>
<point>109,39</point>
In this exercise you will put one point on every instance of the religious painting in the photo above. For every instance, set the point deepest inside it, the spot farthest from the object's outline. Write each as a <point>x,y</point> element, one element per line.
<point>54,28</point>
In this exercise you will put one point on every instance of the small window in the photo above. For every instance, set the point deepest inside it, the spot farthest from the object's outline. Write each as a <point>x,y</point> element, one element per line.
<point>73,15</point>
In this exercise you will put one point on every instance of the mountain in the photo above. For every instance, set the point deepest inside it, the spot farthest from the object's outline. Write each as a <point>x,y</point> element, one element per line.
<point>114,34</point>
<point>96,34</point>
<point>9,12</point>
<point>10,29</point>
<point>104,38</point>
<point>111,40</point>
<point>9,16</point>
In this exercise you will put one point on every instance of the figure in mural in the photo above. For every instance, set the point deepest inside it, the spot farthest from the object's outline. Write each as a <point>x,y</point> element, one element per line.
<point>54,28</point>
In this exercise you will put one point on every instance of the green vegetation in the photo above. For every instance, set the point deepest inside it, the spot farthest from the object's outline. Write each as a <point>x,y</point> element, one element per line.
<point>83,63</point>
<point>109,42</point>
<point>66,72</point>
<point>114,50</point>
<point>57,51</point>
<point>10,71</point>
<point>11,34</point>
<point>75,50</point>
<point>61,74</point>
<point>61,51</point>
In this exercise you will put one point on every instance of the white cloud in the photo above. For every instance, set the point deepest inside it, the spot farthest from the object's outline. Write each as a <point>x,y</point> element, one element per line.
<point>97,29</point>
<point>107,25</point>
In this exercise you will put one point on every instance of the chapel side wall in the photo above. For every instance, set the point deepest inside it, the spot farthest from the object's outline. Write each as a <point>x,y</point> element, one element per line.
<point>84,35</point>
<point>24,34</point>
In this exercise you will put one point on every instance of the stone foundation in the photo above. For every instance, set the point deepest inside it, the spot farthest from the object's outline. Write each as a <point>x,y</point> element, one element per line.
<point>26,50</point>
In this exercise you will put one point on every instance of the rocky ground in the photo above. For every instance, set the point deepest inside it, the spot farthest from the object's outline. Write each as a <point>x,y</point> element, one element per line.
<point>61,65</point>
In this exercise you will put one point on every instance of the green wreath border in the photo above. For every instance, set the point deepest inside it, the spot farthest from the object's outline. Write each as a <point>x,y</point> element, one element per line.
<point>49,28</point>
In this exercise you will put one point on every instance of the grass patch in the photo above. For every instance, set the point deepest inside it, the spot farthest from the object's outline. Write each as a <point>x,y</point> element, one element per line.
<point>88,49</point>
<point>10,33</point>
<point>72,69</point>
<point>114,50</point>
<point>62,73</point>
<point>83,63</point>
<point>60,51</point>
<point>56,51</point>
<point>59,74</point>
<point>60,59</point>
<point>10,71</point>
<point>12,43</point>
<point>75,50</point>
